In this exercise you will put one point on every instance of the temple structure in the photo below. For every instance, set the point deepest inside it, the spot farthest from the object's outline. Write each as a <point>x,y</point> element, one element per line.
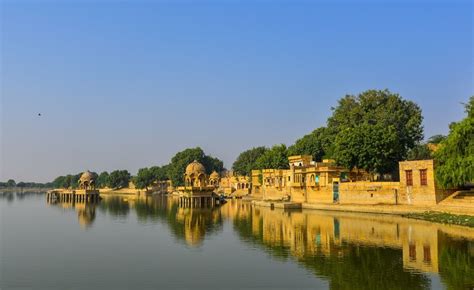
<point>86,191</point>
<point>198,189</point>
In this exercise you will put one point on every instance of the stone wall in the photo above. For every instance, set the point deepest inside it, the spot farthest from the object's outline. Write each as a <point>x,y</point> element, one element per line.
<point>369,192</point>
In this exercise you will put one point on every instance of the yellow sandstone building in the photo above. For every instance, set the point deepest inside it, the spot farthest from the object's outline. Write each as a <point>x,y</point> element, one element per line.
<point>324,182</point>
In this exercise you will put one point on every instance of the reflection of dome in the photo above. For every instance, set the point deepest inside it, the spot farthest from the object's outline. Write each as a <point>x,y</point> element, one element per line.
<point>195,168</point>
<point>86,216</point>
<point>214,175</point>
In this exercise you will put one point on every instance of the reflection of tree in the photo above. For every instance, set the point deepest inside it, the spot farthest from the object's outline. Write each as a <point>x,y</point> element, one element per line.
<point>456,262</point>
<point>115,206</point>
<point>347,266</point>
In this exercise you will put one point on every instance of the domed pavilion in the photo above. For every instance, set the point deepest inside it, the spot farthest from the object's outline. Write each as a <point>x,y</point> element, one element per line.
<point>195,175</point>
<point>214,179</point>
<point>87,180</point>
<point>198,189</point>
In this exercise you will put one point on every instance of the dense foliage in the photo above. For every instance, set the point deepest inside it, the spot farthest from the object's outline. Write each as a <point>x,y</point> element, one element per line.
<point>246,161</point>
<point>119,179</point>
<point>374,130</point>
<point>144,178</point>
<point>436,139</point>
<point>420,152</point>
<point>276,158</point>
<point>102,180</point>
<point>11,184</point>
<point>68,181</point>
<point>455,158</point>
<point>179,162</point>
<point>317,144</point>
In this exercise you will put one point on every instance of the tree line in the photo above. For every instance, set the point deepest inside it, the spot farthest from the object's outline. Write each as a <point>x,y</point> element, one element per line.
<point>146,176</point>
<point>12,184</point>
<point>373,131</point>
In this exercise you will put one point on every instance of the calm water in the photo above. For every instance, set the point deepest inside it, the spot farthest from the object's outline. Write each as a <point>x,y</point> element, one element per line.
<point>127,243</point>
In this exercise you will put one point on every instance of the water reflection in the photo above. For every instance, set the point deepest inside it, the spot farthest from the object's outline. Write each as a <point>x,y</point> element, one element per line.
<point>350,251</point>
<point>190,225</point>
<point>357,251</point>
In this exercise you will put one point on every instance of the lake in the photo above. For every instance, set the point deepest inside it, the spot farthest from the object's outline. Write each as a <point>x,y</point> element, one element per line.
<point>150,242</point>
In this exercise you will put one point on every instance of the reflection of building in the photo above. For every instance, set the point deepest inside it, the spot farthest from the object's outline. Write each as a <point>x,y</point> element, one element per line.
<point>311,233</point>
<point>85,214</point>
<point>85,210</point>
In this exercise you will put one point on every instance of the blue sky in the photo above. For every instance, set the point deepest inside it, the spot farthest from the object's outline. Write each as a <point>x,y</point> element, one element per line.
<point>125,84</point>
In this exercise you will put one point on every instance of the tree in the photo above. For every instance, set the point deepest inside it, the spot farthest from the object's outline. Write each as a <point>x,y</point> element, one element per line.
<point>246,160</point>
<point>212,164</point>
<point>367,147</point>
<point>179,162</point>
<point>144,178</point>
<point>455,157</point>
<point>378,126</point>
<point>119,179</point>
<point>59,182</point>
<point>316,144</point>
<point>420,152</point>
<point>275,158</point>
<point>102,180</point>
<point>436,139</point>
<point>160,173</point>
<point>11,183</point>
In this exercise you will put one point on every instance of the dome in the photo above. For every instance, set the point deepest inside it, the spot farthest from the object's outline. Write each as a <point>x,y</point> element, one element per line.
<point>214,175</point>
<point>87,176</point>
<point>195,168</point>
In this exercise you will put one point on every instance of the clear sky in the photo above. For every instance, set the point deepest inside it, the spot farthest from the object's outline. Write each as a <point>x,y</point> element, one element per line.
<point>126,84</point>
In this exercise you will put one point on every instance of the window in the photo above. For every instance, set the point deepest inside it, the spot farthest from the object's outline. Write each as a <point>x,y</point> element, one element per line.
<point>423,177</point>
<point>426,254</point>
<point>412,252</point>
<point>409,177</point>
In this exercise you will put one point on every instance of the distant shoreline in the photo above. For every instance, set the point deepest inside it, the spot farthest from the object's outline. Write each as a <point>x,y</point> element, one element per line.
<point>23,190</point>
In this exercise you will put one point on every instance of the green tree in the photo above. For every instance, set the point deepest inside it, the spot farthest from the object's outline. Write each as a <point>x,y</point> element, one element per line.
<point>378,126</point>
<point>317,144</point>
<point>436,139</point>
<point>367,147</point>
<point>11,183</point>
<point>144,178</point>
<point>59,182</point>
<point>274,158</point>
<point>420,152</point>
<point>160,173</point>
<point>179,162</point>
<point>455,157</point>
<point>246,161</point>
<point>102,180</point>
<point>212,164</point>
<point>119,179</point>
